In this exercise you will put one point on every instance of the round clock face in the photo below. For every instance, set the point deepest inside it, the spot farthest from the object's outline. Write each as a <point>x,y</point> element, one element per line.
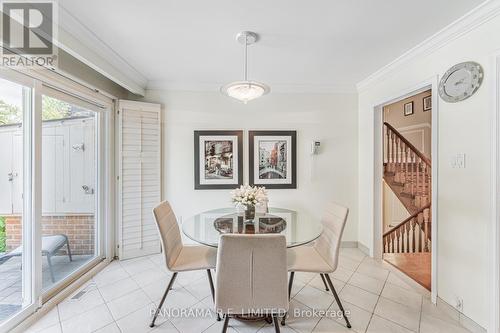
<point>461,81</point>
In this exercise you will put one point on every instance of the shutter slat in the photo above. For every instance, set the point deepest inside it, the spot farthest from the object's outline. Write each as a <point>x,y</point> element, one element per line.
<point>140,160</point>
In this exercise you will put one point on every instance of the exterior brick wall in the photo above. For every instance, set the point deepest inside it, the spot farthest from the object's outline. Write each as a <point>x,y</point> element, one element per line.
<point>78,228</point>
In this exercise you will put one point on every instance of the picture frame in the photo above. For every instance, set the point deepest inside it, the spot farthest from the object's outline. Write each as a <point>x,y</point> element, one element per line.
<point>218,159</point>
<point>427,103</point>
<point>408,108</point>
<point>273,159</point>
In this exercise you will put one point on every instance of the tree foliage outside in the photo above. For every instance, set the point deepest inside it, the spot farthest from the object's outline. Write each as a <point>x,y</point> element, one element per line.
<point>9,114</point>
<point>52,109</point>
<point>3,245</point>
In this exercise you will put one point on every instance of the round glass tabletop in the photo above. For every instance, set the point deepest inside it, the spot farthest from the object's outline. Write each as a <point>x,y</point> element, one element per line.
<point>298,227</point>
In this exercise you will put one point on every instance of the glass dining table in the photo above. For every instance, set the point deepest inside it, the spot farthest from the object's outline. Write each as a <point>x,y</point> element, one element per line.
<point>299,228</point>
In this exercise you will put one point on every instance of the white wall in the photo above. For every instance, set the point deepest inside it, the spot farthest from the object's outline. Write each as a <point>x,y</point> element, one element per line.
<point>394,212</point>
<point>329,118</point>
<point>464,203</point>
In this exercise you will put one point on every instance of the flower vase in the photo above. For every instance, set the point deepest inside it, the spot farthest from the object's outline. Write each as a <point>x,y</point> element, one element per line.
<point>249,213</point>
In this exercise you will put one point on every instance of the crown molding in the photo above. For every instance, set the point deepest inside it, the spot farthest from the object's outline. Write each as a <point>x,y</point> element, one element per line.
<point>80,42</point>
<point>468,22</point>
<point>275,88</point>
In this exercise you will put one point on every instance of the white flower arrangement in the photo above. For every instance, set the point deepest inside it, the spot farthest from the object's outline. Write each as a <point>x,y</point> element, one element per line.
<point>249,196</point>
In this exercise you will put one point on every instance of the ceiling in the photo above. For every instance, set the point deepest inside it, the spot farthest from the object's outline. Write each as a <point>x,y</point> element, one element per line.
<point>310,46</point>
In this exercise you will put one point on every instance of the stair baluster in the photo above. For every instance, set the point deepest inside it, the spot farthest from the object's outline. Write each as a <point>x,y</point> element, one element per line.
<point>413,234</point>
<point>420,219</point>
<point>391,236</point>
<point>393,166</point>
<point>426,215</point>
<point>407,227</point>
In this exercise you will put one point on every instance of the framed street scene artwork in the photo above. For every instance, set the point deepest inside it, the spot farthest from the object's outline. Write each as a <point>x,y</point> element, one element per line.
<point>218,159</point>
<point>408,109</point>
<point>273,159</point>
<point>427,102</point>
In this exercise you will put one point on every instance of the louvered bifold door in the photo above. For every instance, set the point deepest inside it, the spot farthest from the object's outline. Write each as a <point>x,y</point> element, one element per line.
<point>139,163</point>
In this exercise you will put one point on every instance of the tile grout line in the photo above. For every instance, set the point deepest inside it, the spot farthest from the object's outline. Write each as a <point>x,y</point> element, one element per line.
<point>378,299</point>
<point>421,309</point>
<point>332,295</point>
<point>323,317</point>
<point>392,321</point>
<point>365,259</point>
<point>107,307</point>
<point>59,318</point>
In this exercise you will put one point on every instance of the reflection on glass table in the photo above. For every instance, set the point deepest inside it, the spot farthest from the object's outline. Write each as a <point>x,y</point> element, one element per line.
<point>298,227</point>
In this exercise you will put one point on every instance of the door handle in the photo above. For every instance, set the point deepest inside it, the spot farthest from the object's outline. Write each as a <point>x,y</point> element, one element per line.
<point>87,189</point>
<point>10,175</point>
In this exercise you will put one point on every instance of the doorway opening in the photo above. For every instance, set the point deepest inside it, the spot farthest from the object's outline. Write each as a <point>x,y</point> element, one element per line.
<point>407,186</point>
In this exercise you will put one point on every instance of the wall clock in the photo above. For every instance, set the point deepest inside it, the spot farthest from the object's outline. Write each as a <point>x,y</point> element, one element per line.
<point>461,81</point>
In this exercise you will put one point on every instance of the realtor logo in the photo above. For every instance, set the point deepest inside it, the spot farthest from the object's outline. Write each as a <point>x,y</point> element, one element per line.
<point>28,29</point>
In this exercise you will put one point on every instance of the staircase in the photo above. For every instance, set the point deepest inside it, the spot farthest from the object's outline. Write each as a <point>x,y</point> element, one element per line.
<point>408,173</point>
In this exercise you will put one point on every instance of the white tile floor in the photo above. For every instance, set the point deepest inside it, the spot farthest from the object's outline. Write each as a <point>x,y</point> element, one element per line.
<point>11,279</point>
<point>119,299</point>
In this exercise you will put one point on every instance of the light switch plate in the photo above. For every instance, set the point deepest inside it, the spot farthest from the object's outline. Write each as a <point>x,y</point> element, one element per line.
<point>458,161</point>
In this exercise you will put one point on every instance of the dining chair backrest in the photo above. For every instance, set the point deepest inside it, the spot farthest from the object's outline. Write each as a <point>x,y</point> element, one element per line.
<point>251,274</point>
<point>333,221</point>
<point>170,234</point>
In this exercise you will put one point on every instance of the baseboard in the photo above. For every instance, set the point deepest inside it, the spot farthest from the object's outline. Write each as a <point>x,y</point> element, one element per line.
<point>355,244</point>
<point>363,248</point>
<point>349,244</point>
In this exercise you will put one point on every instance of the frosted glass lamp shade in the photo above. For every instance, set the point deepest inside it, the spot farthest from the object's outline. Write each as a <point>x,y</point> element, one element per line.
<point>245,91</point>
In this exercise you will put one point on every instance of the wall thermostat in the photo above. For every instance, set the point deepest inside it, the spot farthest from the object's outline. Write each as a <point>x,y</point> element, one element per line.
<point>315,147</point>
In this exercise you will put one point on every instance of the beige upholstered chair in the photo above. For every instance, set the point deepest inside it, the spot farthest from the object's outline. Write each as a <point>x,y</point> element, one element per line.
<point>178,257</point>
<point>322,257</point>
<point>251,276</point>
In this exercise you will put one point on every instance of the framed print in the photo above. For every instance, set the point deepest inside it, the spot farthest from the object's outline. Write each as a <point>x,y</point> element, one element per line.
<point>427,102</point>
<point>272,159</point>
<point>218,159</point>
<point>408,108</point>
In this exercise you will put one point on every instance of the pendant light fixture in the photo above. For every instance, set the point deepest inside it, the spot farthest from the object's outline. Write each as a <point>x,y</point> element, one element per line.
<point>245,90</point>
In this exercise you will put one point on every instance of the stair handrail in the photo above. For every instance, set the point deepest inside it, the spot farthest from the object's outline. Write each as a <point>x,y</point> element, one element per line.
<point>414,215</point>
<point>424,158</point>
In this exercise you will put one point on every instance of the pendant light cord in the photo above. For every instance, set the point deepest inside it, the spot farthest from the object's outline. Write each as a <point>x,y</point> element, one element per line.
<point>246,66</point>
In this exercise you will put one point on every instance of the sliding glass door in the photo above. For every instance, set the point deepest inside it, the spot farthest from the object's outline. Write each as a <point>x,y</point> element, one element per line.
<point>54,183</point>
<point>15,222</point>
<point>69,189</point>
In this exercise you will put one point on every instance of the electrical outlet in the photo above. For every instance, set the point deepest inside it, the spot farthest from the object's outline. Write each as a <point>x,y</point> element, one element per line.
<point>459,304</point>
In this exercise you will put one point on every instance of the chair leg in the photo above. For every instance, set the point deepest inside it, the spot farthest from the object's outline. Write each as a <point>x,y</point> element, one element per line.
<point>290,284</point>
<point>337,299</point>
<point>324,282</point>
<point>49,261</point>
<point>276,325</point>
<point>226,322</point>
<point>283,320</point>
<point>212,290</point>
<point>69,250</point>
<point>163,299</point>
